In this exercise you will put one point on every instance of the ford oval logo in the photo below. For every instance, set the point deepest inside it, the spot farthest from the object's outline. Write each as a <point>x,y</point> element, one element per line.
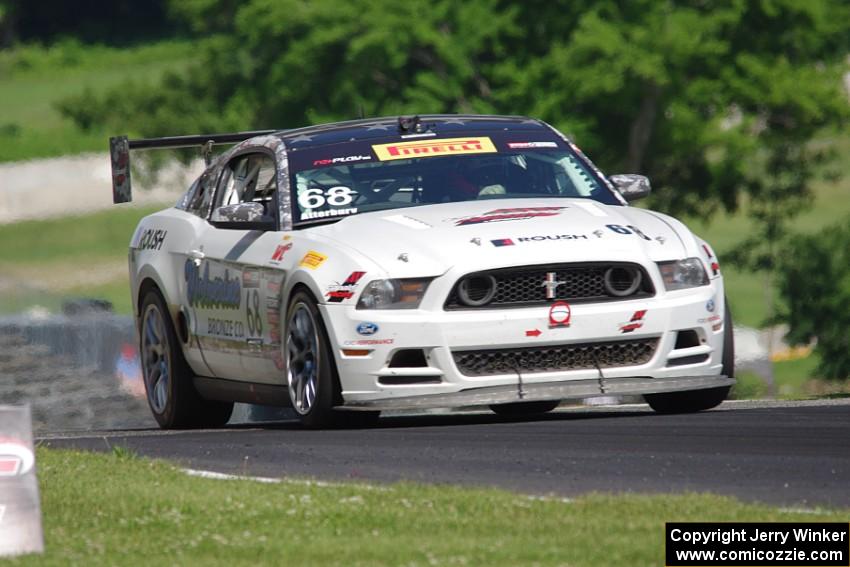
<point>367,328</point>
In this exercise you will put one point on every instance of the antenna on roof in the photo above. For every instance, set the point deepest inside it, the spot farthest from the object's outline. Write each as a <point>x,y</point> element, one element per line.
<point>407,124</point>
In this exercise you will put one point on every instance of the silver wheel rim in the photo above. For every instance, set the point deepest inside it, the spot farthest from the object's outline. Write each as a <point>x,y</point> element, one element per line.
<point>156,362</point>
<point>302,357</point>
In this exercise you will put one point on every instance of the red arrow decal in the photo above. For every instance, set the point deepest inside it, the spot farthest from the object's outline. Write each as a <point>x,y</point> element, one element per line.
<point>534,333</point>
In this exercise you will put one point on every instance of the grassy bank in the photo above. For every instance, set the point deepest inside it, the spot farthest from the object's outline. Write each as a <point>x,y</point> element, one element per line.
<point>115,509</point>
<point>44,262</point>
<point>36,78</point>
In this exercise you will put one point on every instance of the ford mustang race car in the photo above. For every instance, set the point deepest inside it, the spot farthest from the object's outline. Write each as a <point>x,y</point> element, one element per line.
<point>417,262</point>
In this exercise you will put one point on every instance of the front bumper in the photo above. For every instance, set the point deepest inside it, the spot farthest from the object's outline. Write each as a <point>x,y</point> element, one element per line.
<point>369,382</point>
<point>567,390</point>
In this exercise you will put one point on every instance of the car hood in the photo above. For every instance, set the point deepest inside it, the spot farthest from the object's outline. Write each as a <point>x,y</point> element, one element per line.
<point>431,239</point>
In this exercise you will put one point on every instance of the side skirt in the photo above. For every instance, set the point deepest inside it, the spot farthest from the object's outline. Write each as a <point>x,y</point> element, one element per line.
<point>244,392</point>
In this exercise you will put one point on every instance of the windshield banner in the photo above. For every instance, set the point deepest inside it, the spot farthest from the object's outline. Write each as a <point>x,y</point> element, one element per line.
<point>434,148</point>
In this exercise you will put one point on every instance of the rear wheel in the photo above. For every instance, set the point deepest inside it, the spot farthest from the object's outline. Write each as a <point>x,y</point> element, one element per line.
<point>699,400</point>
<point>171,395</point>
<point>519,409</point>
<point>311,373</point>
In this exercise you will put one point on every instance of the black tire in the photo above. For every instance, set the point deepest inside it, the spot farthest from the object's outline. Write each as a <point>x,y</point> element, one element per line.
<point>175,404</point>
<point>318,412</point>
<point>520,409</point>
<point>699,400</point>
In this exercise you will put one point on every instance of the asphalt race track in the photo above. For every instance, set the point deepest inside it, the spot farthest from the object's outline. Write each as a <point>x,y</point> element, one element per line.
<point>792,454</point>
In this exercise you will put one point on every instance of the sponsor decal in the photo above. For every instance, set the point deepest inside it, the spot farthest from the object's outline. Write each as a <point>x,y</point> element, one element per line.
<point>312,260</point>
<point>523,145</point>
<point>280,252</point>
<point>308,215</point>
<point>551,284</point>
<point>225,328</point>
<point>152,239</point>
<point>340,292</point>
<point>250,278</point>
<point>434,148</point>
<point>15,458</point>
<point>476,241</point>
<point>598,233</point>
<point>533,333</point>
<point>551,237</point>
<point>346,159</point>
<point>717,326</point>
<point>709,306</point>
<point>714,319</point>
<point>503,242</point>
<point>559,314</point>
<point>274,283</point>
<point>510,215</point>
<point>220,292</point>
<point>636,322</point>
<point>366,328</point>
<point>369,342</point>
<point>715,267</point>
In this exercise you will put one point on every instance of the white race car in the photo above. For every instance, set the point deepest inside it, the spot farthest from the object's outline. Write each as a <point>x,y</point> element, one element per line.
<point>434,261</point>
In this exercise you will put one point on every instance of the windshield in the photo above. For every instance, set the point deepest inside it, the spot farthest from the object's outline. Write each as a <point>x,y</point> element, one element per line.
<point>339,181</point>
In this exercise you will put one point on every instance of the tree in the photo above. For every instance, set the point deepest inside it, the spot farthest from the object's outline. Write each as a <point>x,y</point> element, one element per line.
<point>814,281</point>
<point>704,97</point>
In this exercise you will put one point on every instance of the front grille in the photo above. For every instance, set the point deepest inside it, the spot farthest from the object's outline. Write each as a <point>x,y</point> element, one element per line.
<point>582,356</point>
<point>524,286</point>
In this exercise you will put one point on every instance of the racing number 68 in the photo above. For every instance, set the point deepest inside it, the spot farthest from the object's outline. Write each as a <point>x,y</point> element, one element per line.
<point>255,322</point>
<point>335,196</point>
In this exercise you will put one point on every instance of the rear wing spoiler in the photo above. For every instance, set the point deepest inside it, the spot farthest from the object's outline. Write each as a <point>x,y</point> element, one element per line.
<point>120,146</point>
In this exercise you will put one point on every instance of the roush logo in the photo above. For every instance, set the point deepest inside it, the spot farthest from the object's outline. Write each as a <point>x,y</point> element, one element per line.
<point>15,459</point>
<point>152,239</point>
<point>434,148</point>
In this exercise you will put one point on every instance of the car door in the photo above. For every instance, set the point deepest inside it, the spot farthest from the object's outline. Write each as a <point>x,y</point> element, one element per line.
<point>228,289</point>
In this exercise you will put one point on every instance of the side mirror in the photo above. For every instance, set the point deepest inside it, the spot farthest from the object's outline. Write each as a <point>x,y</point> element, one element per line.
<point>242,216</point>
<point>631,186</point>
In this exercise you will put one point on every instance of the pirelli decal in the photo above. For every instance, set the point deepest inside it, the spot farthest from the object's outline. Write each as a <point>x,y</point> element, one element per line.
<point>434,148</point>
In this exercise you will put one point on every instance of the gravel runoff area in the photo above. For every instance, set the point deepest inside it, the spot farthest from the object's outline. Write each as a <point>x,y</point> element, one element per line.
<point>63,390</point>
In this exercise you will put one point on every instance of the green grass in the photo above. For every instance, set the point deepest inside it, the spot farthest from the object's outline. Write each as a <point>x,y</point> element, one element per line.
<point>47,259</point>
<point>103,235</point>
<point>119,509</point>
<point>35,78</point>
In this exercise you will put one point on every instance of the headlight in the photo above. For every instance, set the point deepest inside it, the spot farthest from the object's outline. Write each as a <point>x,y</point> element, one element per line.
<point>393,294</point>
<point>682,274</point>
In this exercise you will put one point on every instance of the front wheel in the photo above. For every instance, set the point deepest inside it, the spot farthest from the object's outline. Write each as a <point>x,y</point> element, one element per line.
<point>699,400</point>
<point>171,395</point>
<point>520,409</point>
<point>311,374</point>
